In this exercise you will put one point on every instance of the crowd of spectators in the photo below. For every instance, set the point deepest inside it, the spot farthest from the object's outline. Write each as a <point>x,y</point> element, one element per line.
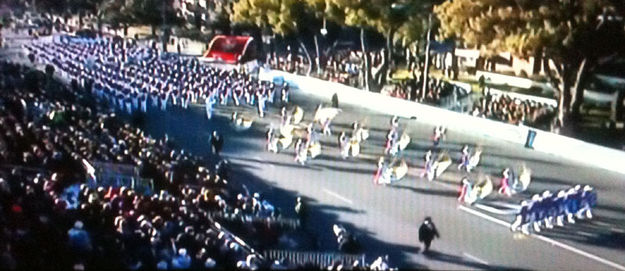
<point>345,67</point>
<point>45,135</point>
<point>514,111</point>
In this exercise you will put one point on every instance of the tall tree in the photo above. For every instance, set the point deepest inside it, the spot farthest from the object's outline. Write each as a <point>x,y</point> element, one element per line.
<point>387,17</point>
<point>284,17</point>
<point>155,13</point>
<point>118,14</point>
<point>572,36</point>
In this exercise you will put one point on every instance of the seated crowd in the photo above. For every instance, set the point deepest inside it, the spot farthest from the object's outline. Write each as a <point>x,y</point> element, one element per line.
<point>44,137</point>
<point>48,131</point>
<point>514,111</point>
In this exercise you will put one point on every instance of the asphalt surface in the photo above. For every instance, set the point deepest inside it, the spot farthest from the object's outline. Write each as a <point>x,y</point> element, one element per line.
<point>386,218</point>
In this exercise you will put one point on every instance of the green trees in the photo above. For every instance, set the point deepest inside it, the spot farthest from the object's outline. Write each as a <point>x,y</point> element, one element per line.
<point>390,18</point>
<point>572,36</point>
<point>119,14</point>
<point>282,17</point>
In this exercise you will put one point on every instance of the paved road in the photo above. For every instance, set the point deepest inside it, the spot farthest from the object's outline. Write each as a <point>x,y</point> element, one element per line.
<point>387,217</point>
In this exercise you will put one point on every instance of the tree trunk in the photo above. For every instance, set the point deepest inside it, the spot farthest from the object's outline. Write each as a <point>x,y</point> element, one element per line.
<point>578,90</point>
<point>366,62</point>
<point>318,56</point>
<point>153,30</point>
<point>99,18</point>
<point>389,44</point>
<point>426,64</point>
<point>165,39</point>
<point>454,65</point>
<point>80,15</point>
<point>564,100</point>
<point>310,63</point>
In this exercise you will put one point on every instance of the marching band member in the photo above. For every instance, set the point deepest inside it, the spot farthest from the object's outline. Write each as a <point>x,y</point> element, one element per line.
<point>438,135</point>
<point>588,198</point>
<point>301,153</point>
<point>504,187</point>
<point>464,159</point>
<point>272,142</point>
<point>427,167</point>
<point>144,103</point>
<point>534,209</point>
<point>344,145</point>
<point>560,202</point>
<point>285,93</point>
<point>164,98</point>
<point>465,190</point>
<point>391,142</point>
<point>262,99</point>
<point>209,101</point>
<point>380,171</point>
<point>284,119</point>
<point>520,218</point>
<point>547,204</point>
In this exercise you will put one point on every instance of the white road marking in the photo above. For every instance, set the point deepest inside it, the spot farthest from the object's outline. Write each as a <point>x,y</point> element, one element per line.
<point>475,258</point>
<point>495,210</point>
<point>337,196</point>
<point>547,240</point>
<point>487,217</point>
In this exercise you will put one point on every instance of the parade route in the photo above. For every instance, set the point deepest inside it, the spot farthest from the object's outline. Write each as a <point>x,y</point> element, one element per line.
<point>386,218</point>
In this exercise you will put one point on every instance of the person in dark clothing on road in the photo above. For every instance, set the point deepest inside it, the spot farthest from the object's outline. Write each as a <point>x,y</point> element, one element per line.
<point>427,233</point>
<point>335,100</point>
<point>216,143</point>
<point>301,210</point>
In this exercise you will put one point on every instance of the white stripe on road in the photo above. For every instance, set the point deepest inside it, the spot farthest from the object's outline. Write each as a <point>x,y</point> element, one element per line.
<point>487,217</point>
<point>546,239</point>
<point>337,196</point>
<point>475,258</point>
<point>495,210</point>
<point>580,252</point>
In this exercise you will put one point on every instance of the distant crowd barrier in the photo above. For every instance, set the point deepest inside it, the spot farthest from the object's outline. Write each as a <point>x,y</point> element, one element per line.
<point>543,141</point>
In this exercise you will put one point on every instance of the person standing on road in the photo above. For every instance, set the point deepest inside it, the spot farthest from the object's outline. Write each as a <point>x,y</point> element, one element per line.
<point>216,143</point>
<point>301,210</point>
<point>335,100</point>
<point>427,233</point>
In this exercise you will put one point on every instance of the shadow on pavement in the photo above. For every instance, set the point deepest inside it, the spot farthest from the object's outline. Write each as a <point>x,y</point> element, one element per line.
<point>433,192</point>
<point>449,258</point>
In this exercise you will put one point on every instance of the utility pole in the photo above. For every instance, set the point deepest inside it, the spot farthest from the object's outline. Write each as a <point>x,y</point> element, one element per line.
<point>426,67</point>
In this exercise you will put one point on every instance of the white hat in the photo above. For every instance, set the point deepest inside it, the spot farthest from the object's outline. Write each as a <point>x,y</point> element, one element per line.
<point>209,263</point>
<point>182,252</point>
<point>78,224</point>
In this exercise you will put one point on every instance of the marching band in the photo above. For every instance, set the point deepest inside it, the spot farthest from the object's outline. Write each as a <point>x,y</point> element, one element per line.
<point>130,77</point>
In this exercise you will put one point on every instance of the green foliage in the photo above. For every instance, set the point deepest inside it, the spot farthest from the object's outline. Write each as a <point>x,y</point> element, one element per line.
<point>565,28</point>
<point>275,14</point>
<point>150,12</point>
<point>573,34</point>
